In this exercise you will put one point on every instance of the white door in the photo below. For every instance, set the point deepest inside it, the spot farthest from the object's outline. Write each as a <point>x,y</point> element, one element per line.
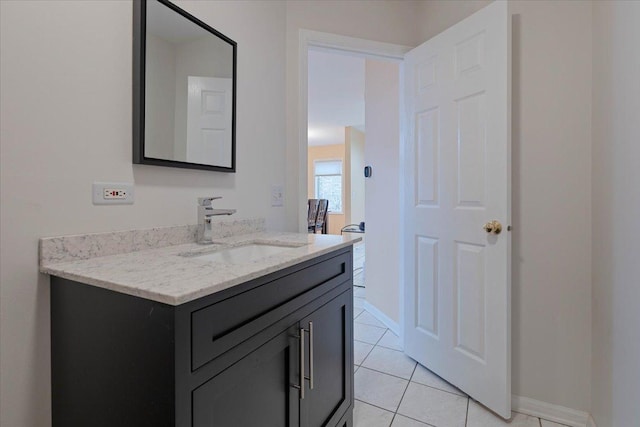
<point>457,310</point>
<point>209,120</point>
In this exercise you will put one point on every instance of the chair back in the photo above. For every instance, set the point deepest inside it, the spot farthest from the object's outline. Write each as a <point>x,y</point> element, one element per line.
<point>312,215</point>
<point>321,220</point>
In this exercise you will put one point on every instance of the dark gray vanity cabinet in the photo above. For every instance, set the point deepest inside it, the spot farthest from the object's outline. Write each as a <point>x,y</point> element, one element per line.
<point>332,368</point>
<point>236,358</point>
<point>255,390</point>
<point>266,381</point>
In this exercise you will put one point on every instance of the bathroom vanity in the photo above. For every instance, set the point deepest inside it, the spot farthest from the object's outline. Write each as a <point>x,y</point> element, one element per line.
<point>214,343</point>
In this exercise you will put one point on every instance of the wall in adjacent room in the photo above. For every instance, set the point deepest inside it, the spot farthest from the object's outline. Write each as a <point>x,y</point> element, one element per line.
<point>66,122</point>
<point>616,213</point>
<point>327,152</point>
<point>354,158</point>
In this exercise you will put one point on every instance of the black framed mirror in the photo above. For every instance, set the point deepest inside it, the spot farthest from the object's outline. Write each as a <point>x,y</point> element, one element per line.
<point>184,90</point>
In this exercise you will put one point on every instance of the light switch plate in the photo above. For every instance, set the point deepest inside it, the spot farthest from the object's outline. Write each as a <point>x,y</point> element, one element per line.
<point>277,195</point>
<point>112,193</point>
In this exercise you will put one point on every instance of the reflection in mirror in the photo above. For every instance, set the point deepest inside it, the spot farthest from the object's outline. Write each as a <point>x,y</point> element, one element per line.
<point>188,97</point>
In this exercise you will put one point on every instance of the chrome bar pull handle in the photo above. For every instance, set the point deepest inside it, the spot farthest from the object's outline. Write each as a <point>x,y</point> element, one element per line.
<point>311,356</point>
<point>301,365</point>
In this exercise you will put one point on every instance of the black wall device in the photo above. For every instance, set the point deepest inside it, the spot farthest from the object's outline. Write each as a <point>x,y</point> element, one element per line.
<point>367,171</point>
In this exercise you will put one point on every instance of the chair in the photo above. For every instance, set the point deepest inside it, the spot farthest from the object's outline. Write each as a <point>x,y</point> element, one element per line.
<point>312,215</point>
<point>321,220</point>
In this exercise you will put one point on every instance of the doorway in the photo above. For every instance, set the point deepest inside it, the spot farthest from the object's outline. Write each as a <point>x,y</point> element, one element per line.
<point>425,79</point>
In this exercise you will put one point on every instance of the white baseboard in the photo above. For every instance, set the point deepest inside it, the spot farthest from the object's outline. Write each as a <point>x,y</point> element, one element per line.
<point>551,412</point>
<point>591,422</point>
<point>375,312</point>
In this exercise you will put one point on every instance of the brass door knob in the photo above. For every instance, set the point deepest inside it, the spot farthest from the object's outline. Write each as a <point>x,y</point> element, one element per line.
<point>492,227</point>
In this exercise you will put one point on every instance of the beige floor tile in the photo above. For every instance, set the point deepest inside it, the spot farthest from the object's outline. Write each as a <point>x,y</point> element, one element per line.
<point>357,312</point>
<point>370,319</point>
<point>375,388</point>
<point>367,333</point>
<point>479,416</point>
<point>391,362</point>
<point>365,415</point>
<point>358,302</point>
<point>390,340</point>
<point>360,351</point>
<point>402,421</point>
<point>424,376</point>
<point>433,406</point>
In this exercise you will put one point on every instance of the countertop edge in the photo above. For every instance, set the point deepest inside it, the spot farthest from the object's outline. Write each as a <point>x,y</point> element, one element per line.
<point>175,300</point>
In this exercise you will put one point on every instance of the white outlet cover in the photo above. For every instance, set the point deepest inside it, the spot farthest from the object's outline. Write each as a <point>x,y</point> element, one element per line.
<point>98,193</point>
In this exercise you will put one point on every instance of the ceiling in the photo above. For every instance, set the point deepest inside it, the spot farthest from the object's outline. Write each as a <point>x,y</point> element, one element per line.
<point>336,96</point>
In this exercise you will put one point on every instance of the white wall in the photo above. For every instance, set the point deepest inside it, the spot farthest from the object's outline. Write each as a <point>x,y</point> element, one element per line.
<point>160,112</point>
<point>65,103</point>
<point>616,214</point>
<point>551,163</point>
<point>382,189</point>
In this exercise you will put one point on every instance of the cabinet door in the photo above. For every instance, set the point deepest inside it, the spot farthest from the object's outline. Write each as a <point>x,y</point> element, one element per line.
<point>329,363</point>
<point>255,391</point>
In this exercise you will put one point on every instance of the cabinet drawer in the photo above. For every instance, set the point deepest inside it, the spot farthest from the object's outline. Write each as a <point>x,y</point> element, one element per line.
<point>223,325</point>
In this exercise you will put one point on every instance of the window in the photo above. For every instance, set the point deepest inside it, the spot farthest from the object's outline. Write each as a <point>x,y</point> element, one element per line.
<point>328,177</point>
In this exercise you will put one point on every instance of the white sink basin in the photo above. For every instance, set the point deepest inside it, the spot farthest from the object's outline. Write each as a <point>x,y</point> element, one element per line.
<point>244,253</point>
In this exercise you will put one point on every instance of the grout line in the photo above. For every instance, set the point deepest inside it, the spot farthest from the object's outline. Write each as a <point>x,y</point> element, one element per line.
<point>410,380</point>
<point>544,419</point>
<point>386,373</point>
<point>394,413</point>
<point>403,393</point>
<point>379,327</point>
<point>417,420</point>
<point>389,348</point>
<point>374,346</point>
<point>368,353</point>
<point>375,406</point>
<point>466,418</point>
<point>439,389</point>
<point>369,324</point>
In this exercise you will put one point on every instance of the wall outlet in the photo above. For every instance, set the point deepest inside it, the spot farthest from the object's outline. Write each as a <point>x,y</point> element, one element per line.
<point>112,193</point>
<point>277,195</point>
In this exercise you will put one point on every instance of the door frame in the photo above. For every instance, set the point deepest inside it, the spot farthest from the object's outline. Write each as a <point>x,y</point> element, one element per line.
<point>329,42</point>
<point>316,40</point>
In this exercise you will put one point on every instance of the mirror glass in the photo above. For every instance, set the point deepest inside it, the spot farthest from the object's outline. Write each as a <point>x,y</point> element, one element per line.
<point>188,91</point>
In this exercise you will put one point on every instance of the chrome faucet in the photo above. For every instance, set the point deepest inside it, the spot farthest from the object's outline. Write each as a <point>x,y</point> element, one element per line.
<point>205,213</point>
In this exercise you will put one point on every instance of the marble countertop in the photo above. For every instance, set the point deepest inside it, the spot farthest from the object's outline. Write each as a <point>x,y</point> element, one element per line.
<point>163,274</point>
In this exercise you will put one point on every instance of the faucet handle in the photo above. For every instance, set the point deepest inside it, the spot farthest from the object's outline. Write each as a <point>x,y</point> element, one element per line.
<point>206,201</point>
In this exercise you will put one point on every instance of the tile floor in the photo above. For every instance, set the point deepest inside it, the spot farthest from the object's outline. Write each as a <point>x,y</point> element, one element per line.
<point>392,390</point>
